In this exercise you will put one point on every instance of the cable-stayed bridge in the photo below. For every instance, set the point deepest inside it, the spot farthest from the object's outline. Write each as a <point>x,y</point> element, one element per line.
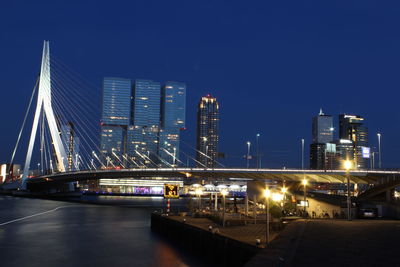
<point>64,141</point>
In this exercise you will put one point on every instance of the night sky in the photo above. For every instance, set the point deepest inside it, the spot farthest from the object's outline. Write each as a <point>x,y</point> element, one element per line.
<point>271,64</point>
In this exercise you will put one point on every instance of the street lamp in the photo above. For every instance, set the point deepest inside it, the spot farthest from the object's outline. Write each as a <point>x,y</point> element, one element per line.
<point>223,193</point>
<point>267,195</point>
<point>302,154</point>
<point>304,182</point>
<point>347,166</point>
<point>258,152</point>
<point>199,192</point>
<point>248,153</point>
<point>174,158</point>
<point>379,148</point>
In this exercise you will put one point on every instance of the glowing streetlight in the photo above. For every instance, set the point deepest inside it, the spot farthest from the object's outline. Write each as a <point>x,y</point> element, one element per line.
<point>267,195</point>
<point>224,193</point>
<point>277,197</point>
<point>284,190</point>
<point>304,182</point>
<point>199,192</point>
<point>248,153</point>
<point>347,165</point>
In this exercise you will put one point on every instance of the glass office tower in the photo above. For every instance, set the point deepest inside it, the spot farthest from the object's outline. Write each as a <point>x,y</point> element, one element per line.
<point>322,128</point>
<point>143,135</point>
<point>322,133</point>
<point>116,117</point>
<point>173,121</point>
<point>207,131</point>
<point>351,127</point>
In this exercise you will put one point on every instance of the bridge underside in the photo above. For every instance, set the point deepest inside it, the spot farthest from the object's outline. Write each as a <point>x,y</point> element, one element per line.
<point>215,174</point>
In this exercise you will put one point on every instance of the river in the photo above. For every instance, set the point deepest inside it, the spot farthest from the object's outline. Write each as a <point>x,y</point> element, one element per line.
<point>37,232</point>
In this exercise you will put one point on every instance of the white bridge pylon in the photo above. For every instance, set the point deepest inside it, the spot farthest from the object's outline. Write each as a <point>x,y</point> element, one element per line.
<point>44,105</point>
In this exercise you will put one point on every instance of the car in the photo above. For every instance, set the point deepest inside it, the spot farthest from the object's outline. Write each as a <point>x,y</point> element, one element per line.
<point>367,213</point>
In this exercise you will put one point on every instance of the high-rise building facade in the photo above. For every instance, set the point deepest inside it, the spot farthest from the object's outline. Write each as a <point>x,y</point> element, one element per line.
<point>351,127</point>
<point>143,135</point>
<point>173,121</point>
<point>116,117</point>
<point>322,134</point>
<point>207,131</point>
<point>322,128</point>
<point>137,117</point>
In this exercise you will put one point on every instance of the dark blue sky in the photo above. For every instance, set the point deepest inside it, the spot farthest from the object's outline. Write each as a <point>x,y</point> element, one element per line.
<point>271,64</point>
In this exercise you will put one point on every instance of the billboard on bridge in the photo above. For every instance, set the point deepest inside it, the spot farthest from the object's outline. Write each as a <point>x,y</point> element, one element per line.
<point>171,191</point>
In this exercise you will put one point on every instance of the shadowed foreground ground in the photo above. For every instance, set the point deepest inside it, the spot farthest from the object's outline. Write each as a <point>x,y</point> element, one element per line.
<point>334,243</point>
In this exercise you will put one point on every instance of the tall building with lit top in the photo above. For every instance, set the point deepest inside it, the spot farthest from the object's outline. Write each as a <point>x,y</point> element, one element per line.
<point>116,115</point>
<point>322,134</point>
<point>351,127</point>
<point>322,128</point>
<point>173,109</point>
<point>207,131</point>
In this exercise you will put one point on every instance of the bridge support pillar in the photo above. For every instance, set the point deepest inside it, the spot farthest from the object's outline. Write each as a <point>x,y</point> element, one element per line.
<point>389,195</point>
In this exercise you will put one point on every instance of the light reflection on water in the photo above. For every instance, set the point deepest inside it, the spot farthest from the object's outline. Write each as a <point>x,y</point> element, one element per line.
<point>84,234</point>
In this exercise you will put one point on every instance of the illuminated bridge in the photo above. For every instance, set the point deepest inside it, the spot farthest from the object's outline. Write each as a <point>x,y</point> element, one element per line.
<point>65,128</point>
<point>288,175</point>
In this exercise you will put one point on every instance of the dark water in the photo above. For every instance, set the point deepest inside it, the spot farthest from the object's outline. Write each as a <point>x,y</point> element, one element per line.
<point>78,234</point>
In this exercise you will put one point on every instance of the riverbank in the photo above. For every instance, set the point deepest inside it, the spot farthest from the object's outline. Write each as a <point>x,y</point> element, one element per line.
<point>227,246</point>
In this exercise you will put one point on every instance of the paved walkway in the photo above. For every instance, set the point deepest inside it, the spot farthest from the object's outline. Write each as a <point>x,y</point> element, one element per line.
<point>245,233</point>
<point>334,243</point>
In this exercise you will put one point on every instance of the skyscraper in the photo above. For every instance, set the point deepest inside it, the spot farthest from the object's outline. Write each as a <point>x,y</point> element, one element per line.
<point>136,118</point>
<point>173,121</point>
<point>351,127</point>
<point>207,131</point>
<point>143,135</point>
<point>116,117</point>
<point>322,133</point>
<point>322,128</point>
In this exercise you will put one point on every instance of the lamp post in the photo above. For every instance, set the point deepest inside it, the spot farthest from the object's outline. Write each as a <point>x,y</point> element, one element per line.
<point>223,193</point>
<point>174,158</point>
<point>199,192</point>
<point>347,166</point>
<point>304,182</point>
<point>258,151</point>
<point>379,148</point>
<point>267,194</point>
<point>248,154</point>
<point>283,190</point>
<point>302,154</point>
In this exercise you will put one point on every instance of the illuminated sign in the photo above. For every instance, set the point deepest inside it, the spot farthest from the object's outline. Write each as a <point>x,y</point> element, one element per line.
<point>366,152</point>
<point>302,203</point>
<point>171,191</point>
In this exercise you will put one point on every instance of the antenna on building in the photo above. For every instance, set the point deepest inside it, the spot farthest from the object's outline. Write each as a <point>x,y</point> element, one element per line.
<point>321,113</point>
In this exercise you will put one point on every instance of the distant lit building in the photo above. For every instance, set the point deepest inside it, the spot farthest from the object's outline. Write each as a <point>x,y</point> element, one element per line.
<point>9,173</point>
<point>322,134</point>
<point>71,143</point>
<point>322,128</point>
<point>207,131</point>
<point>345,150</point>
<point>143,134</point>
<point>116,116</point>
<point>173,113</point>
<point>351,127</point>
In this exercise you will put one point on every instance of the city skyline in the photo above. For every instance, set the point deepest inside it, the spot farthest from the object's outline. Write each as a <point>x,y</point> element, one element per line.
<point>267,99</point>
